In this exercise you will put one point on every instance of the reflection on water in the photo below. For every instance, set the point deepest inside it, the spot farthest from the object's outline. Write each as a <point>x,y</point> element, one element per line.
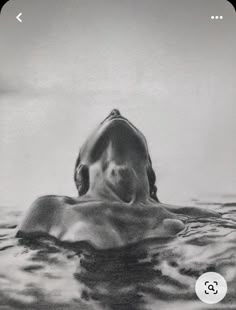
<point>156,274</point>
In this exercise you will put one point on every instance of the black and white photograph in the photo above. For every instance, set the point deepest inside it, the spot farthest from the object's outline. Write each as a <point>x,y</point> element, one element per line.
<point>117,155</point>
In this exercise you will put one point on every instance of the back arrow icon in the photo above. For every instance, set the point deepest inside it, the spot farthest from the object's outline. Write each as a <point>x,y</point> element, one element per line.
<point>18,17</point>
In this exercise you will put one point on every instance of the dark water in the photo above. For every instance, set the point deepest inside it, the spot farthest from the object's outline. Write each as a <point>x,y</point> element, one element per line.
<point>152,275</point>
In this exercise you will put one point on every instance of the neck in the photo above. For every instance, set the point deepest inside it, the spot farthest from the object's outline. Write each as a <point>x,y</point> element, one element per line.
<point>118,182</point>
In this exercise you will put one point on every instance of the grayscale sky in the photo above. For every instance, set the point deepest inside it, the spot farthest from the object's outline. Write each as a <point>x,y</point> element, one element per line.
<point>165,64</point>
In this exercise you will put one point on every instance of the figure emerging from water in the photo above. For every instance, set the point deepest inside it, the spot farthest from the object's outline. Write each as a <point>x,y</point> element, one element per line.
<point>117,201</point>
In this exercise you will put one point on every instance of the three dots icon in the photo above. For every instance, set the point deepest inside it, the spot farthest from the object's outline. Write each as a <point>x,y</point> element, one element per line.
<point>216,17</point>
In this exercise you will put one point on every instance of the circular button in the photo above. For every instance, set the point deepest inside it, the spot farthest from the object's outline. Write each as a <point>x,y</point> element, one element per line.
<point>211,287</point>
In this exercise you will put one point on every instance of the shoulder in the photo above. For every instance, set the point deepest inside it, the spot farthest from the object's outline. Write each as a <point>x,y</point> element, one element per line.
<point>42,213</point>
<point>191,211</point>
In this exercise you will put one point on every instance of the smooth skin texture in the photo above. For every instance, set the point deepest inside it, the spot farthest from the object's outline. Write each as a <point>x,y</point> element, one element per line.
<point>117,203</point>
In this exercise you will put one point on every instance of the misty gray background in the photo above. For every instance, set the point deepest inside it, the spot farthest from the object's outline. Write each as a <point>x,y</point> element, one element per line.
<point>165,64</point>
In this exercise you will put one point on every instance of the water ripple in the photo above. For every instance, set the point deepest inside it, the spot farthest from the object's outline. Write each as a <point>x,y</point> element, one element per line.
<point>155,274</point>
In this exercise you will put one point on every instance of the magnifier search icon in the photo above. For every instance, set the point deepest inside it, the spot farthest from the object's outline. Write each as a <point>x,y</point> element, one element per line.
<point>211,288</point>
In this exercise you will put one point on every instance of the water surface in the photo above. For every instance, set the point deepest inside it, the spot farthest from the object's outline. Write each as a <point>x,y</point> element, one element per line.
<point>155,274</point>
